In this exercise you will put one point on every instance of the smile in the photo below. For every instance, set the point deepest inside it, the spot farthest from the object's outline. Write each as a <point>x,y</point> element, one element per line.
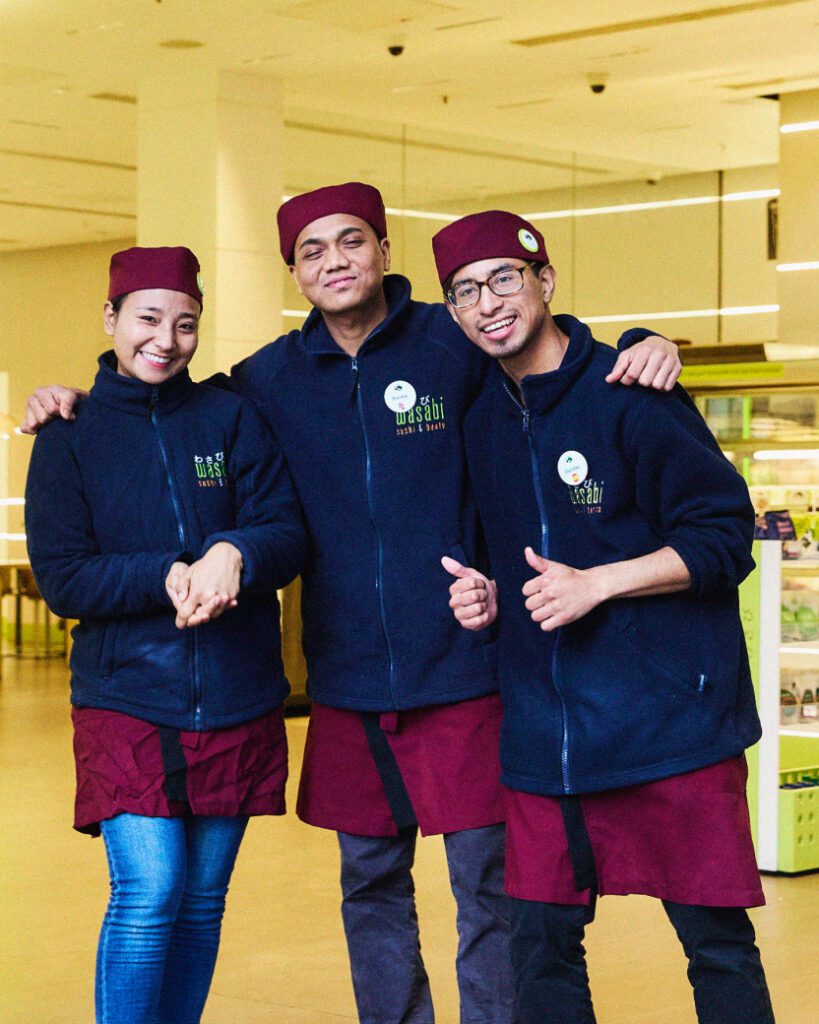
<point>340,282</point>
<point>498,325</point>
<point>154,359</point>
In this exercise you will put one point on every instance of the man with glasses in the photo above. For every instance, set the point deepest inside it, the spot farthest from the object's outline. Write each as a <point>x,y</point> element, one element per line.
<point>366,401</point>
<point>618,534</point>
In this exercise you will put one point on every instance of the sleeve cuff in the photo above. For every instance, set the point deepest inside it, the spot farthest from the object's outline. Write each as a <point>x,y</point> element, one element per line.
<point>164,598</point>
<point>632,337</point>
<point>689,562</point>
<point>240,545</point>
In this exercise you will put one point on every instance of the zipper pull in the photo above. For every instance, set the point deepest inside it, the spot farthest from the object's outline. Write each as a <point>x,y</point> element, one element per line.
<point>154,397</point>
<point>354,360</point>
<point>526,421</point>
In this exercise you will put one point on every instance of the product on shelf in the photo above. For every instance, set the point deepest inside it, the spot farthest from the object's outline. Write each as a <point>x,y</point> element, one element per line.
<point>797,696</point>
<point>806,526</point>
<point>800,615</point>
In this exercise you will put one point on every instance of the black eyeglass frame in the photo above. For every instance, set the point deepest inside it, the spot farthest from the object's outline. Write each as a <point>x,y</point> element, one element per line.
<point>449,292</point>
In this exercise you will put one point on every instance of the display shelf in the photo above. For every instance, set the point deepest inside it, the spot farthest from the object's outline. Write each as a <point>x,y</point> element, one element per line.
<point>783,842</point>
<point>800,646</point>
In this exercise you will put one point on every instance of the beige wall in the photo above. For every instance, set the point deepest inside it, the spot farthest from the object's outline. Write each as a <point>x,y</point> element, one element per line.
<point>636,262</point>
<point>50,330</point>
<point>619,263</point>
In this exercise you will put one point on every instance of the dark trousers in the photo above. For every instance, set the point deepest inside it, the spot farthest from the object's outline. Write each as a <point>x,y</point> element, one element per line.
<point>389,977</point>
<point>552,983</point>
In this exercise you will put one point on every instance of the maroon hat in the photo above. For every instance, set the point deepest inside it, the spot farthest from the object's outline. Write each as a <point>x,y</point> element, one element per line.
<point>175,268</point>
<point>354,197</point>
<point>484,236</point>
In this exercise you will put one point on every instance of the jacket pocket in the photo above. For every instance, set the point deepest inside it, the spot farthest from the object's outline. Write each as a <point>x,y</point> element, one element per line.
<point>107,655</point>
<point>666,664</point>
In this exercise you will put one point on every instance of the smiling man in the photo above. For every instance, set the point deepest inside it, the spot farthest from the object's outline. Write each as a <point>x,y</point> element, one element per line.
<point>618,534</point>
<point>367,400</point>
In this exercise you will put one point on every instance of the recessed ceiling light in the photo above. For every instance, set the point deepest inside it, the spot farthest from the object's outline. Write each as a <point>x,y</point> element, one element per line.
<point>181,44</point>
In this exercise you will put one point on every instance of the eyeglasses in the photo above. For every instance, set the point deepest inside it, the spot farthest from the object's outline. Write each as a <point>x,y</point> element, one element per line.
<point>503,282</point>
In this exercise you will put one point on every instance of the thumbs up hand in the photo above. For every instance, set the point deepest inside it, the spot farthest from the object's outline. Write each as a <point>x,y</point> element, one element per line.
<point>473,598</point>
<point>559,594</point>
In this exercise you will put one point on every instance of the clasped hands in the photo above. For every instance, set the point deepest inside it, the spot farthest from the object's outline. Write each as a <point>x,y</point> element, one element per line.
<point>556,596</point>
<point>203,591</point>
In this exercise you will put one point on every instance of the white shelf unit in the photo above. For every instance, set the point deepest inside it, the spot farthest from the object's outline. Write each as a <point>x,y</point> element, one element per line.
<point>776,823</point>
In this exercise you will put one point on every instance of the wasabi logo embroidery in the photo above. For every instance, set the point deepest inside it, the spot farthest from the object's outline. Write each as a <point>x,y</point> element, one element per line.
<point>211,470</point>
<point>426,415</point>
<point>587,498</point>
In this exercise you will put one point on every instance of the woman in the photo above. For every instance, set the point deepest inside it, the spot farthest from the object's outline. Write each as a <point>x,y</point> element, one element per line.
<point>164,520</point>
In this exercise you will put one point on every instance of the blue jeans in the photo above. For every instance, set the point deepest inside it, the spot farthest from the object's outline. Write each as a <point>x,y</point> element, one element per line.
<point>160,936</point>
<point>552,983</point>
<point>381,924</point>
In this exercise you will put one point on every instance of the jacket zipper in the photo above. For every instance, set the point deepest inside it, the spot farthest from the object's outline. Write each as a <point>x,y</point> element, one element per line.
<point>544,550</point>
<point>379,579</point>
<point>183,540</point>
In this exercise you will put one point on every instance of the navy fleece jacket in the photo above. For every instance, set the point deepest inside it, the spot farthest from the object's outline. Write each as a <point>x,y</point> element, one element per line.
<point>385,495</point>
<point>642,688</point>
<point>144,477</point>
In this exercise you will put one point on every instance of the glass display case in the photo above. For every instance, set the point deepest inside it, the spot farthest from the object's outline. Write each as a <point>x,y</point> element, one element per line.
<point>766,419</point>
<point>771,433</point>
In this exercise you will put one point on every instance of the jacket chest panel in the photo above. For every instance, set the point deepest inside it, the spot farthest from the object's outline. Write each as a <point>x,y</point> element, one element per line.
<point>145,478</point>
<point>400,419</point>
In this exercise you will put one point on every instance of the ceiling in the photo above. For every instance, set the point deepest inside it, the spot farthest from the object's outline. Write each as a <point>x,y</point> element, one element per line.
<point>488,97</point>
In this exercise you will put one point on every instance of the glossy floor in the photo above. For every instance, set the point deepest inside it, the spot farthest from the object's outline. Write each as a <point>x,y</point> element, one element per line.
<point>282,959</point>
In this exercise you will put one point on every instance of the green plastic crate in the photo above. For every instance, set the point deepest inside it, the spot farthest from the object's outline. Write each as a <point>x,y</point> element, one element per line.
<point>798,846</point>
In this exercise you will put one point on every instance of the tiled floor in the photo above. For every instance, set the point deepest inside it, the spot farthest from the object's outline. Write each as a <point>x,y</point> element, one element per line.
<point>282,959</point>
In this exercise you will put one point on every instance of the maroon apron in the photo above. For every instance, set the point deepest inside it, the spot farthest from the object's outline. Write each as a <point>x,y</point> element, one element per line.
<point>686,839</point>
<point>446,757</point>
<point>124,766</point>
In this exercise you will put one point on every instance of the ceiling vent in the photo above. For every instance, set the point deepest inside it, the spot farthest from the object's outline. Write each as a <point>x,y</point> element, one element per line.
<point>660,21</point>
<point>113,97</point>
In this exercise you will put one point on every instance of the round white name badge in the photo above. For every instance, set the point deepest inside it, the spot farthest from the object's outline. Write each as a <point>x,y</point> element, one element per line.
<point>527,240</point>
<point>399,396</point>
<point>572,468</point>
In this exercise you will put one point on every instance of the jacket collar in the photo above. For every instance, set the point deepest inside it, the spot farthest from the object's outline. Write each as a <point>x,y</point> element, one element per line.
<point>130,395</point>
<point>318,340</point>
<point>541,391</point>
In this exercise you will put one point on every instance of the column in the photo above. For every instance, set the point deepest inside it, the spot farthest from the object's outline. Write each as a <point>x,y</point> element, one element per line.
<point>210,173</point>
<point>799,220</point>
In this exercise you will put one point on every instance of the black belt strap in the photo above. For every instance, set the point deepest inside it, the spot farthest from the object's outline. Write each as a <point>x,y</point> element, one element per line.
<point>580,850</point>
<point>396,791</point>
<point>173,761</point>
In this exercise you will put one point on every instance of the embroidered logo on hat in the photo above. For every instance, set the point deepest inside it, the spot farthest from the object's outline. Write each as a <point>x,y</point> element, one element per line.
<point>528,240</point>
